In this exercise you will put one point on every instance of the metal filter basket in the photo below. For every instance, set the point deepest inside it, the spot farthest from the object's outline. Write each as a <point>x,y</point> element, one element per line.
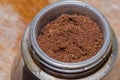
<point>46,68</point>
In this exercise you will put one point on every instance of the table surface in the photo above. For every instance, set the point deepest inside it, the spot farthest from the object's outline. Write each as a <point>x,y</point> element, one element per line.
<point>12,28</point>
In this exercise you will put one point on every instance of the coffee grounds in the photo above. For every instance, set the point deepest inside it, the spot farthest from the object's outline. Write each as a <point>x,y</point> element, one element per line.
<point>71,38</point>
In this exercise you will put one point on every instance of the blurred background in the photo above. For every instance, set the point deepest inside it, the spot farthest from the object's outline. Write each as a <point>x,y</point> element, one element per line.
<point>15,16</point>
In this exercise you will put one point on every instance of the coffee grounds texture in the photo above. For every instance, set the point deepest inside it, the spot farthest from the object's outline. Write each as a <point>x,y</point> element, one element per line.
<point>71,38</point>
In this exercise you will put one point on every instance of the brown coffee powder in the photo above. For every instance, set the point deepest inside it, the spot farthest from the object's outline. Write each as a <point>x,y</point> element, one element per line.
<point>71,38</point>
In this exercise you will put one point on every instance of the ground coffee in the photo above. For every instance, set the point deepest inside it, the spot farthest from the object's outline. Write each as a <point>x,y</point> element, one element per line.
<point>71,38</point>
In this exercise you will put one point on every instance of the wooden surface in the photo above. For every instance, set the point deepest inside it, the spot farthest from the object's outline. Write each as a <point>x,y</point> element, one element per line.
<point>12,28</point>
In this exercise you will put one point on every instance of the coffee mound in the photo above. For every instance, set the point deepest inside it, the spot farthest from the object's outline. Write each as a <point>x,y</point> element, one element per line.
<point>71,38</point>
